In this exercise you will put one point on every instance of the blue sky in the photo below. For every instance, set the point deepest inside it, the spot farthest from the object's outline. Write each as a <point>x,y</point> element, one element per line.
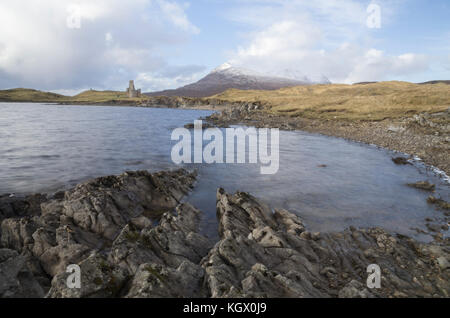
<point>69,46</point>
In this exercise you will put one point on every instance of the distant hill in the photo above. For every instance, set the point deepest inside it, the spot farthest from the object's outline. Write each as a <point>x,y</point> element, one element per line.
<point>35,96</point>
<point>436,82</point>
<point>227,77</point>
<point>29,95</point>
<point>365,83</point>
<point>424,83</point>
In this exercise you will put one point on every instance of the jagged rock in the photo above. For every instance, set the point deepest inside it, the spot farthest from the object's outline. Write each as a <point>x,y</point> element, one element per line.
<point>12,206</point>
<point>16,279</point>
<point>99,279</point>
<point>174,241</point>
<point>66,228</point>
<point>18,207</point>
<point>355,289</point>
<point>283,263</point>
<point>162,262</point>
<point>124,198</point>
<point>158,281</point>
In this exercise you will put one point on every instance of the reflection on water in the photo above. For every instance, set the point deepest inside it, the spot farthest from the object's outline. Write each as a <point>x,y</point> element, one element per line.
<point>46,148</point>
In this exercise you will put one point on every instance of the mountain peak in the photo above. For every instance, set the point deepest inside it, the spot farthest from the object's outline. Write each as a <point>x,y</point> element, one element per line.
<point>228,76</point>
<point>223,67</point>
<point>227,69</point>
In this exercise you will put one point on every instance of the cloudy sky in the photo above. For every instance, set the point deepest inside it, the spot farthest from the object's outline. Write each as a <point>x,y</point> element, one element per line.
<point>68,46</point>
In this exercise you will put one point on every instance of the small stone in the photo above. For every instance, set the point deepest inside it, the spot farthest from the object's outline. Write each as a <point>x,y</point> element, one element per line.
<point>443,263</point>
<point>398,294</point>
<point>433,227</point>
<point>306,235</point>
<point>315,236</point>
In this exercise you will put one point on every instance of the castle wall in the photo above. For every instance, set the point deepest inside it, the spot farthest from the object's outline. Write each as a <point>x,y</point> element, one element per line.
<point>132,92</point>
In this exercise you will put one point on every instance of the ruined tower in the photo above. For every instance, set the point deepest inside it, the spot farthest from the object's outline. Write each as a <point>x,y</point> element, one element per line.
<point>132,92</point>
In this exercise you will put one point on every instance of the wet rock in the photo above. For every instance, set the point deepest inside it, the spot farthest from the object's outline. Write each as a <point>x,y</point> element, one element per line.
<point>16,279</point>
<point>434,227</point>
<point>205,125</point>
<point>438,202</point>
<point>12,206</point>
<point>401,161</point>
<point>423,185</point>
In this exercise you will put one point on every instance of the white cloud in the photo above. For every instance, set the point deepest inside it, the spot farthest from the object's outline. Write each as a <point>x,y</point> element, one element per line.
<point>109,38</point>
<point>171,77</point>
<point>375,65</point>
<point>115,41</point>
<point>176,14</point>
<point>315,38</point>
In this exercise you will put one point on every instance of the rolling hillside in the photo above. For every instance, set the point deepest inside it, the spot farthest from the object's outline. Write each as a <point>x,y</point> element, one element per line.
<point>29,95</point>
<point>35,96</point>
<point>375,101</point>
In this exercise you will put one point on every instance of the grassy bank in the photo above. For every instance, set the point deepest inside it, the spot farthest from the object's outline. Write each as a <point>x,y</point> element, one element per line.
<point>371,102</point>
<point>29,95</point>
<point>91,96</point>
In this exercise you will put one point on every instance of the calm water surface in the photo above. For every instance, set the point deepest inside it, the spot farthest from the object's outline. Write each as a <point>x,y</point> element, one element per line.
<point>45,148</point>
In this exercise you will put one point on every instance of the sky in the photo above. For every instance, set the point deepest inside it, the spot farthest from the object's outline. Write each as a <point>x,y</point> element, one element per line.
<point>70,46</point>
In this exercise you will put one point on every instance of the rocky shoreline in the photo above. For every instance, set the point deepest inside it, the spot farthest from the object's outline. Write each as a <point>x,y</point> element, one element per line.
<point>133,236</point>
<point>164,102</point>
<point>426,136</point>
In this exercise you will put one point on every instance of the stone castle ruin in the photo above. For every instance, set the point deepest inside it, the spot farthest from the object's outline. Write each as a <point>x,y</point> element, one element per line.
<point>132,92</point>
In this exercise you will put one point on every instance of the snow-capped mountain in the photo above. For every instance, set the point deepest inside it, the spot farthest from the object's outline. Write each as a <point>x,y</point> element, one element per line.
<point>227,76</point>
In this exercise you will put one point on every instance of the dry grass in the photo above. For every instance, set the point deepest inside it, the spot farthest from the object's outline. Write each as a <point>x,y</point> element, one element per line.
<point>91,96</point>
<point>27,95</point>
<point>376,101</point>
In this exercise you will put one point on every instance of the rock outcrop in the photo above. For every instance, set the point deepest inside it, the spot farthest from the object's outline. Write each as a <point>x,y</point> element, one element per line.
<point>68,227</point>
<point>133,237</point>
<point>16,279</point>
<point>270,254</point>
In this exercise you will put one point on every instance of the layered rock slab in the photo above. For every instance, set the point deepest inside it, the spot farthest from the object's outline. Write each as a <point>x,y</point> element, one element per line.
<point>70,226</point>
<point>265,253</point>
